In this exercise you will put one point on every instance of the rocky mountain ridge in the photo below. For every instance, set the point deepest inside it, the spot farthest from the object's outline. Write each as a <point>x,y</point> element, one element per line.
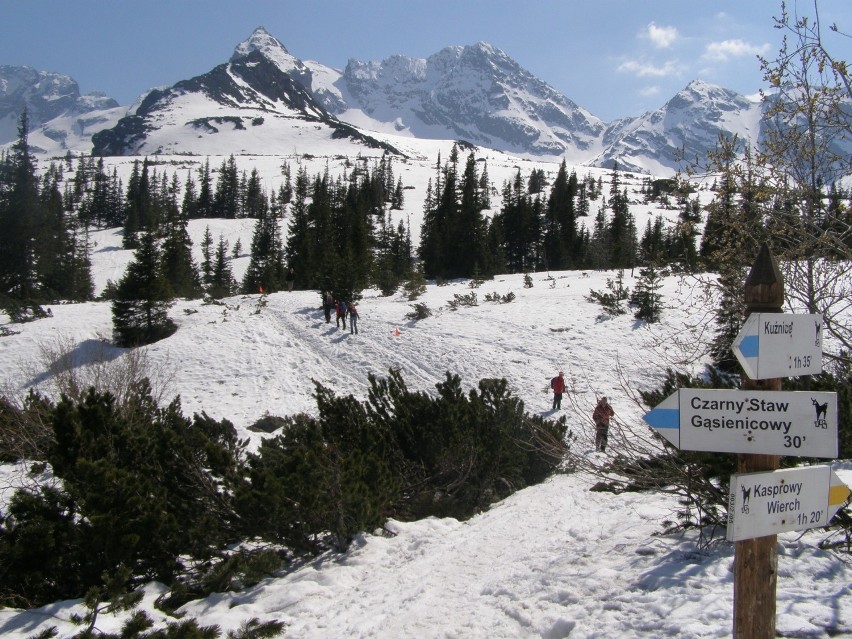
<point>265,98</point>
<point>54,106</point>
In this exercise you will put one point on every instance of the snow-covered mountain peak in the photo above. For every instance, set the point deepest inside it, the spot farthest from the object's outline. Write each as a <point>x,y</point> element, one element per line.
<point>260,40</point>
<point>699,93</point>
<point>475,93</point>
<point>681,131</point>
<point>273,50</point>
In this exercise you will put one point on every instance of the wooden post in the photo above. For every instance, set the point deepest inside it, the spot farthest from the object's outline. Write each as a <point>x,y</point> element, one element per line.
<point>756,560</point>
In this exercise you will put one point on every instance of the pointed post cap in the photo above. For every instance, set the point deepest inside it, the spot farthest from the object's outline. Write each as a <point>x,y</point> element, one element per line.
<point>764,286</point>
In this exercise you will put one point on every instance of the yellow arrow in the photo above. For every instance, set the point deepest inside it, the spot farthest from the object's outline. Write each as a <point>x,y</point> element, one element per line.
<point>838,494</point>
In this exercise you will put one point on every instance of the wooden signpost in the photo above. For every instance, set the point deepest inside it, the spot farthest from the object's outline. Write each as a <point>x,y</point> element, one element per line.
<point>761,426</point>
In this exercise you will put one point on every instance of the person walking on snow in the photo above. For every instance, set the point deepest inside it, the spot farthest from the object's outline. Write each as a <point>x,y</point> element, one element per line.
<point>558,386</point>
<point>601,416</point>
<point>327,303</point>
<point>353,319</point>
<point>341,313</point>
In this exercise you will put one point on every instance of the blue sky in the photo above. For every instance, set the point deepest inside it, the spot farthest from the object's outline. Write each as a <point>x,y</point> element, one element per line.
<point>615,58</point>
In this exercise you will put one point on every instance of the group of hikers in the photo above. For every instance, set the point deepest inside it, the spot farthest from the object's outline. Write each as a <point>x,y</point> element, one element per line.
<point>342,309</point>
<point>600,416</point>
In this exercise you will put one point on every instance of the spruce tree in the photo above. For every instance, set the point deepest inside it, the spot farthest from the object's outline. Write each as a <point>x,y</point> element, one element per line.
<point>226,201</point>
<point>222,282</point>
<point>730,315</point>
<point>139,205</point>
<point>300,245</point>
<point>53,249</point>
<point>266,271</point>
<point>255,203</point>
<point>142,299</point>
<point>81,286</point>
<point>469,239</point>
<point>207,257</point>
<point>177,263</point>
<point>189,204</point>
<point>646,295</point>
<point>204,205</point>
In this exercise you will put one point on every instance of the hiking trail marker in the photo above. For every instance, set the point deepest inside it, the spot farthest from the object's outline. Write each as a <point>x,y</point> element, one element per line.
<point>761,423</point>
<point>795,423</point>
<point>779,501</point>
<point>773,345</point>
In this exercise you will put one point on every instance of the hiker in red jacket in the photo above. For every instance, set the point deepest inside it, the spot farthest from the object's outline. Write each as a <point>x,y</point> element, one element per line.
<point>558,386</point>
<point>601,416</point>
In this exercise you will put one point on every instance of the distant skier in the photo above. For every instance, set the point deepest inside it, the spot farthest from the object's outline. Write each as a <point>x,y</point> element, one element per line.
<point>601,416</point>
<point>558,386</point>
<point>290,278</point>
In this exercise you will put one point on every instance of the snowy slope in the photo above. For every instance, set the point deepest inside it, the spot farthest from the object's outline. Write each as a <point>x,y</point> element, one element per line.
<point>553,561</point>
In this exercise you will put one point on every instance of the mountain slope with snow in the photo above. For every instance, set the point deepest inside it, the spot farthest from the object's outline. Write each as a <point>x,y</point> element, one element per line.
<point>241,106</point>
<point>683,130</point>
<point>475,93</point>
<point>555,560</point>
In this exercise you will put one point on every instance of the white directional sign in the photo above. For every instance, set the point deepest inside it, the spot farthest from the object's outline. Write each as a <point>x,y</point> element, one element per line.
<point>799,423</point>
<point>768,503</point>
<point>779,345</point>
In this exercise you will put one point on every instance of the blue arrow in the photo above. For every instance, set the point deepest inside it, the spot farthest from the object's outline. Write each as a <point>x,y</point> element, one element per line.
<point>749,346</point>
<point>663,418</point>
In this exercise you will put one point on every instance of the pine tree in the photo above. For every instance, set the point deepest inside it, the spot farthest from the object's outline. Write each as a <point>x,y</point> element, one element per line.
<point>189,204</point>
<point>600,248</point>
<point>561,221</point>
<point>519,224</point>
<point>81,285</point>
<point>266,271</point>
<point>226,201</point>
<point>139,215</point>
<point>416,284</point>
<point>646,295</point>
<point>204,204</point>
<point>177,263</point>
<point>652,246</point>
<point>469,237</point>
<point>255,203</point>
<point>729,319</point>
<point>20,213</point>
<point>485,187</point>
<point>398,198</point>
<point>142,299</point>
<point>300,249</point>
<point>222,282</point>
<point>622,230</point>
<point>207,257</point>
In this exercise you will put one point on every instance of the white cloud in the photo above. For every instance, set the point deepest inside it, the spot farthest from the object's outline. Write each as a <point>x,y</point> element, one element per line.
<point>646,69</point>
<point>661,37</point>
<point>728,49</point>
<point>649,92</point>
